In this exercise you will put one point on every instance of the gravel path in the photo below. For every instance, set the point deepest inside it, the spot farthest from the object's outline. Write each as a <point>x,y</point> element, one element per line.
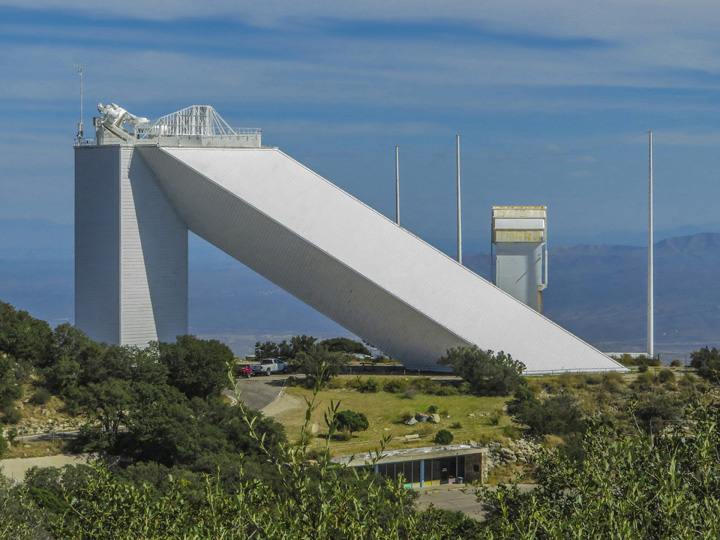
<point>15,468</point>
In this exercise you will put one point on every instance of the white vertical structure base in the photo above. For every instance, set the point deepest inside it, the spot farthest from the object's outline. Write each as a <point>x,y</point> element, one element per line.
<point>131,273</point>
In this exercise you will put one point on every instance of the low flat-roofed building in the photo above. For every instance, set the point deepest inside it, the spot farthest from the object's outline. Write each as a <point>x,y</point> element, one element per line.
<point>428,466</point>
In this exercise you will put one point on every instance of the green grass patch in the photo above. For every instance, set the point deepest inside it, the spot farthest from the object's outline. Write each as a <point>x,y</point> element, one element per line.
<point>385,412</point>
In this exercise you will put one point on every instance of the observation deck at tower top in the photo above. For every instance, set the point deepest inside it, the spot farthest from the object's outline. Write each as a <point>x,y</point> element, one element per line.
<point>195,126</point>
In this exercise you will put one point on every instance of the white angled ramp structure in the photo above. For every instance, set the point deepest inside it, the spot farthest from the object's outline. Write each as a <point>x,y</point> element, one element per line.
<point>306,235</point>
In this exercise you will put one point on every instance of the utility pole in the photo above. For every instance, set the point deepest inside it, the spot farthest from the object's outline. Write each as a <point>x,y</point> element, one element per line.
<point>397,188</point>
<point>459,206</point>
<point>650,318</point>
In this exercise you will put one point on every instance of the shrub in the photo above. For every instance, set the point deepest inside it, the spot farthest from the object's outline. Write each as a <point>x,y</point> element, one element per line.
<point>351,421</point>
<point>447,390</point>
<point>645,380</point>
<point>342,436</point>
<point>371,386</point>
<point>656,411</point>
<point>395,386</point>
<point>495,416</point>
<point>676,363</point>
<point>432,409</point>
<point>443,437</point>
<point>423,385</point>
<point>643,369</point>
<point>488,374</point>
<point>406,415</point>
<point>666,375</point>
<point>612,382</point>
<point>464,388</point>
<point>13,415</point>
<point>557,415</point>
<point>511,431</point>
<point>332,384</point>
<point>572,380</point>
<point>355,383</point>
<point>641,360</point>
<point>40,397</point>
<point>410,393</point>
<point>522,395</point>
<point>425,428</point>
<point>551,386</point>
<point>456,425</point>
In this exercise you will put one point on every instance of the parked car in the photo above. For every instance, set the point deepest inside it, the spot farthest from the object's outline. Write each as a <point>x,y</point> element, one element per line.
<point>268,366</point>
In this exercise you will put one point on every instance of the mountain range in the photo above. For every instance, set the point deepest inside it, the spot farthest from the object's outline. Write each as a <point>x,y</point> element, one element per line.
<point>598,292</point>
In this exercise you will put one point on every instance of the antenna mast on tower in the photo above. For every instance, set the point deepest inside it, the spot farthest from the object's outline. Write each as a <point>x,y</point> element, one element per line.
<point>80,123</point>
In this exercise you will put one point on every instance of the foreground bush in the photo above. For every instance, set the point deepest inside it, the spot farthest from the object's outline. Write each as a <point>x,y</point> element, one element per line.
<point>642,487</point>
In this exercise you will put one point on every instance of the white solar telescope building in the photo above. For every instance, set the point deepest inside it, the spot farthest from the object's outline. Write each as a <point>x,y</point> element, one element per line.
<point>519,254</point>
<point>138,192</point>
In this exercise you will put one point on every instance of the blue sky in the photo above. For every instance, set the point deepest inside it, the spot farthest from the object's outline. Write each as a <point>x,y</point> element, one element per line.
<point>552,100</point>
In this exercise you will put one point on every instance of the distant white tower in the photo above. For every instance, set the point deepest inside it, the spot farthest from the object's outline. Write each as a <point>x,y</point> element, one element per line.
<point>519,258</point>
<point>141,185</point>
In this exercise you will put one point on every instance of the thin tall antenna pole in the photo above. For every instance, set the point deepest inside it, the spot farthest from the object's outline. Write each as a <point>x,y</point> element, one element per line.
<point>459,205</point>
<point>80,123</point>
<point>397,188</point>
<point>650,318</point>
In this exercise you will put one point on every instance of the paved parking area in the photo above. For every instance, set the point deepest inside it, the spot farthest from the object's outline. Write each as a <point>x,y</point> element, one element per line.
<point>452,498</point>
<point>455,498</point>
<point>259,391</point>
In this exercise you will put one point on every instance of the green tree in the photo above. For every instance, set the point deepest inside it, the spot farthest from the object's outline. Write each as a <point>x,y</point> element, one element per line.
<point>351,421</point>
<point>302,344</point>
<point>196,367</point>
<point>557,415</point>
<point>106,404</point>
<point>488,374</point>
<point>345,345</point>
<point>10,388</point>
<point>319,365</point>
<point>707,363</point>
<point>23,337</point>
<point>267,349</point>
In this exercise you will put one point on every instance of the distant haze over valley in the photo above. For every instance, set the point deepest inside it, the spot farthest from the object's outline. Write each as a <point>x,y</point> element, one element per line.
<point>596,291</point>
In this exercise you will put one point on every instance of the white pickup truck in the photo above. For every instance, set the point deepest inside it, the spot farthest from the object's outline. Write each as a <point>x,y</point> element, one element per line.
<point>268,366</point>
